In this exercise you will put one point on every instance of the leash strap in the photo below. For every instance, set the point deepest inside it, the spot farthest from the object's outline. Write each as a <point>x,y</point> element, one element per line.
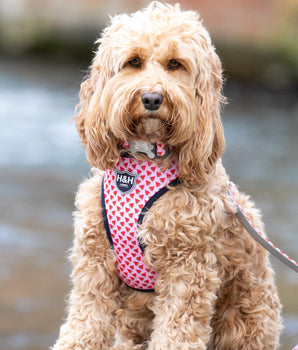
<point>259,237</point>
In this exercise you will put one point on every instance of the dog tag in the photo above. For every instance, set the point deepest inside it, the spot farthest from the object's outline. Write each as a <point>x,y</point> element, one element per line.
<point>142,147</point>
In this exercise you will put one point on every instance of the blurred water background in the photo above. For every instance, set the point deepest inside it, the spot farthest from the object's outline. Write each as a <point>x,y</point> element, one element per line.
<point>45,48</point>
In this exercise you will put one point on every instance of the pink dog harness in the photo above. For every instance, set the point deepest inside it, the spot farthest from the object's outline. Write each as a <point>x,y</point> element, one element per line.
<point>128,191</point>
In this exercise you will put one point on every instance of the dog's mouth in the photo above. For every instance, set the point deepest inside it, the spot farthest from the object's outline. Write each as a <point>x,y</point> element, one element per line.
<point>151,129</point>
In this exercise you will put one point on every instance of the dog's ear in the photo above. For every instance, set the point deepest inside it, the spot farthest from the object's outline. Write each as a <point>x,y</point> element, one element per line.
<point>199,155</point>
<point>86,92</point>
<point>90,118</point>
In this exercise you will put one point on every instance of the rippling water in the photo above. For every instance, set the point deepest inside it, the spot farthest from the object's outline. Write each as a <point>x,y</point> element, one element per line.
<point>41,164</point>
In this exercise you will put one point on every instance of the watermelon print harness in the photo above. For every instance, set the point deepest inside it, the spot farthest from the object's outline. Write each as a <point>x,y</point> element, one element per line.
<point>128,192</point>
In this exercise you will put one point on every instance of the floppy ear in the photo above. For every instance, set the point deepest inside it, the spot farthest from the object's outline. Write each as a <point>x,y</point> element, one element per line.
<point>200,153</point>
<point>91,119</point>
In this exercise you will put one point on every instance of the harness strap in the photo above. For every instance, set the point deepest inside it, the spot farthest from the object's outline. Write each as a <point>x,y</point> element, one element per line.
<point>259,237</point>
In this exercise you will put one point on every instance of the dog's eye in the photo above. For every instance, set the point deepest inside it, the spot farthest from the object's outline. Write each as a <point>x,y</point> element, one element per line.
<point>135,62</point>
<point>173,64</point>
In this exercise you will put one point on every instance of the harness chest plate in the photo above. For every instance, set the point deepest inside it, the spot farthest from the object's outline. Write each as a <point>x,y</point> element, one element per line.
<point>128,191</point>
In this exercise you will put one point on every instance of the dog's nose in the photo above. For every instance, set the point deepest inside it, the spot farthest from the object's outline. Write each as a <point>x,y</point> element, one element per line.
<point>152,100</point>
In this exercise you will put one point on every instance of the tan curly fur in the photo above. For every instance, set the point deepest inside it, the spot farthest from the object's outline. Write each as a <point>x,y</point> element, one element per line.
<point>215,287</point>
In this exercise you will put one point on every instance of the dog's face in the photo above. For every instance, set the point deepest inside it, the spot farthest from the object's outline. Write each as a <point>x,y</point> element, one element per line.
<point>155,77</point>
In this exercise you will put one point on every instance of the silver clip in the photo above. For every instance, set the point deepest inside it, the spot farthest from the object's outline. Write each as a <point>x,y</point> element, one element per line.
<point>142,147</point>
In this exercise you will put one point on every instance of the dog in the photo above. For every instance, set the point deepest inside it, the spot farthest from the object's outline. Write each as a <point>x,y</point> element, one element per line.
<point>159,259</point>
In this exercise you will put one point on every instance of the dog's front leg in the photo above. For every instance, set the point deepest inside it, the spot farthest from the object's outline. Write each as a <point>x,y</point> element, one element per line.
<point>95,295</point>
<point>90,322</point>
<point>184,305</point>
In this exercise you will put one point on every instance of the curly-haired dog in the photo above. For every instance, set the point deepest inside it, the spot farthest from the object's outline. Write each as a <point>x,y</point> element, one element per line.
<point>156,215</point>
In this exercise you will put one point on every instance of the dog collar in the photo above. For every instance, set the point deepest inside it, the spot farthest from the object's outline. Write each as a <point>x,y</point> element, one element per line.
<point>152,150</point>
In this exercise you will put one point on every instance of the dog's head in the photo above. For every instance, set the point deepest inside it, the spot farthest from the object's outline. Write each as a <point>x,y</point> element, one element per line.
<point>155,77</point>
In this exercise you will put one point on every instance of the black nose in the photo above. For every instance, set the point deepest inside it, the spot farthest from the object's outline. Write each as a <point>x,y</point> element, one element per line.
<point>152,100</point>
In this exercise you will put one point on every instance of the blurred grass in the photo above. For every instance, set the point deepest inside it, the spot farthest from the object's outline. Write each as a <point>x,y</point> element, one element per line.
<point>273,66</point>
<point>271,61</point>
<point>48,43</point>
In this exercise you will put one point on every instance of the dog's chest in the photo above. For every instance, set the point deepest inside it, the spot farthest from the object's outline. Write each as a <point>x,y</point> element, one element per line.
<point>128,191</point>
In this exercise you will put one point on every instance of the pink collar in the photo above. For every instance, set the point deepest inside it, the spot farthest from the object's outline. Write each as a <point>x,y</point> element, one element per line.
<point>152,150</point>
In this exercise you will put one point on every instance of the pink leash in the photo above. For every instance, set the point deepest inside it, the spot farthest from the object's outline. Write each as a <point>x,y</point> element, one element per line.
<point>260,238</point>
